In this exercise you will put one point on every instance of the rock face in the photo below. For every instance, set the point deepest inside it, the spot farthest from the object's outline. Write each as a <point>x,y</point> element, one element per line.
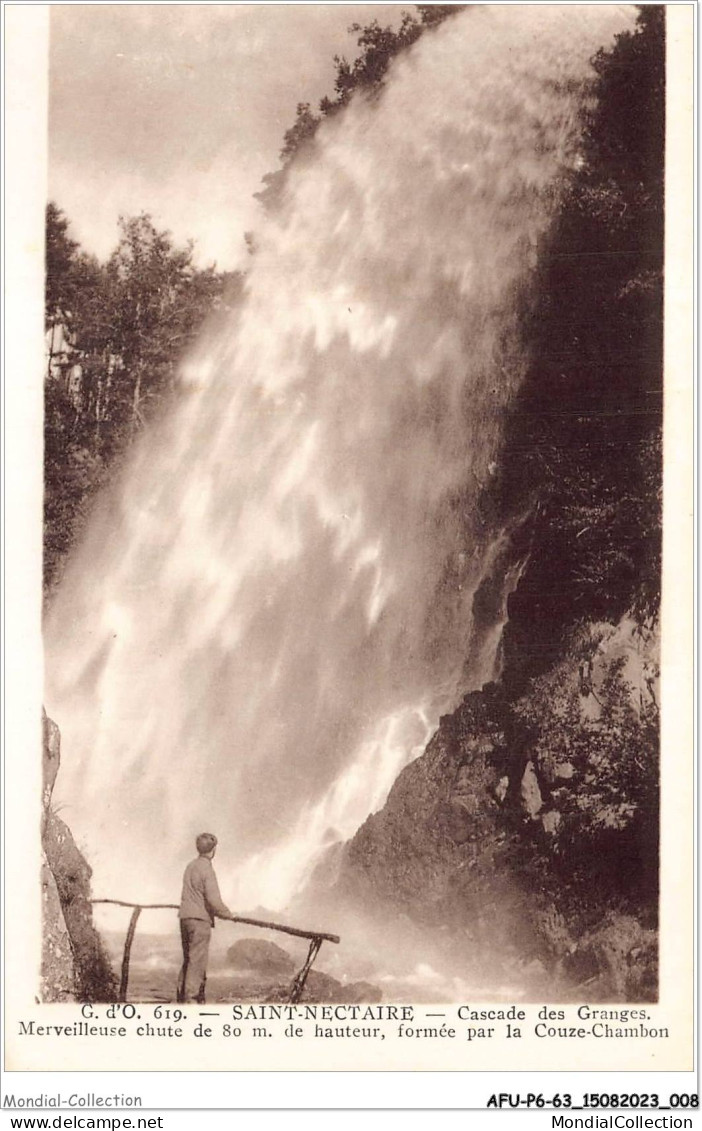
<point>436,855</point>
<point>527,832</point>
<point>57,981</point>
<point>438,819</point>
<point>75,965</point>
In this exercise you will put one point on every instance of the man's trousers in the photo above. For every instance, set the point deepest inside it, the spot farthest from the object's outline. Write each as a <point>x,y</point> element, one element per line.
<point>195,936</point>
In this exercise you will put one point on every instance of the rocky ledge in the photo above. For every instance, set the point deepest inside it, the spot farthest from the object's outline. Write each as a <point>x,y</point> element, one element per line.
<point>75,966</point>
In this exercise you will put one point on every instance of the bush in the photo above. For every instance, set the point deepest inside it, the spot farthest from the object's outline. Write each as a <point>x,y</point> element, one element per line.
<point>596,755</point>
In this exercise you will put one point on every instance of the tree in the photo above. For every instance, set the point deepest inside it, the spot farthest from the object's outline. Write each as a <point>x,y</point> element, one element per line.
<point>122,328</point>
<point>72,284</point>
<point>379,46</point>
<point>61,260</point>
<point>158,301</point>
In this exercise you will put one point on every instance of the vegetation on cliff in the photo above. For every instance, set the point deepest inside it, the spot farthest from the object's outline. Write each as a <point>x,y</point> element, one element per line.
<point>378,46</point>
<point>584,437</point>
<point>530,826</point>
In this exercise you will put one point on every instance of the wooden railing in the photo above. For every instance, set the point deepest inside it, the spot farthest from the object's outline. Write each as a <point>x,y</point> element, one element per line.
<point>298,983</point>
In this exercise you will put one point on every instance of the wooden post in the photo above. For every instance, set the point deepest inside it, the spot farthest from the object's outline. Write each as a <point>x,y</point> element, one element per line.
<point>299,981</point>
<point>127,951</point>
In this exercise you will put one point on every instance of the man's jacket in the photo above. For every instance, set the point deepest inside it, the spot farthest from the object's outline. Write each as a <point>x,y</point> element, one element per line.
<point>201,898</point>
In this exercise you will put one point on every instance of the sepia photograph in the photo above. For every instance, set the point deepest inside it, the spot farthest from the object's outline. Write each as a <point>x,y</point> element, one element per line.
<point>353,405</point>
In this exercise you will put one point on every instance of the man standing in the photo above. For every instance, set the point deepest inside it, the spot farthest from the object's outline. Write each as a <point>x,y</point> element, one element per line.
<point>199,904</point>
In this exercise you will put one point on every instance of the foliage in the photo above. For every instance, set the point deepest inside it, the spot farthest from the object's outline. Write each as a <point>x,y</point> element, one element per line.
<point>378,47</point>
<point>73,471</point>
<point>61,265</point>
<point>584,438</point>
<point>584,448</point>
<point>115,334</point>
<point>159,301</point>
<point>610,795</point>
<point>302,131</point>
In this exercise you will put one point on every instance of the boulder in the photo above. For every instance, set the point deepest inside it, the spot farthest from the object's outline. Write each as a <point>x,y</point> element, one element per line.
<point>262,956</point>
<point>530,792</point>
<point>551,821</point>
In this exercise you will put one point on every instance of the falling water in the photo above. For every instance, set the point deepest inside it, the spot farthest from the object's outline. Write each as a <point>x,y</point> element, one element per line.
<point>274,605</point>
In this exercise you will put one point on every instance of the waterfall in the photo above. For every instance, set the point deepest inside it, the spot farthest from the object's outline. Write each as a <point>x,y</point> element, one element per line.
<point>275,603</point>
